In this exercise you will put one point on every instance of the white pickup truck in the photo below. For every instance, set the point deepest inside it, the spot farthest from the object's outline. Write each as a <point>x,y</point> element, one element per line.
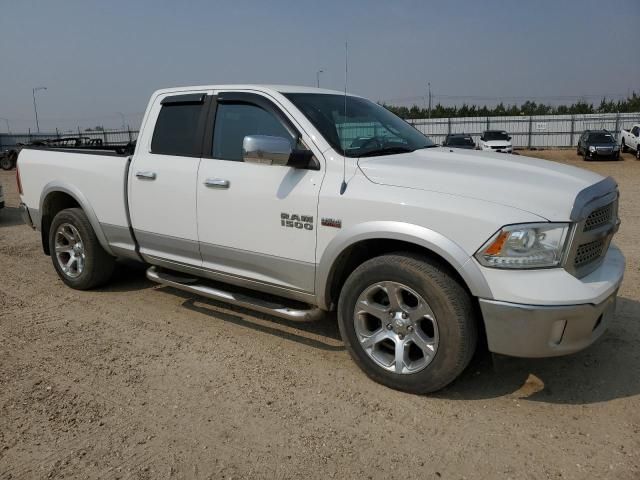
<point>297,201</point>
<point>629,140</point>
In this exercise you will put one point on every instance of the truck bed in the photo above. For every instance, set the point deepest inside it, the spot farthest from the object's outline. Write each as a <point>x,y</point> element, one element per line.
<point>95,179</point>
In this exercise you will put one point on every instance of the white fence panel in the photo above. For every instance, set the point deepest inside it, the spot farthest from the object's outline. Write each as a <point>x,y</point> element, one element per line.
<point>537,131</point>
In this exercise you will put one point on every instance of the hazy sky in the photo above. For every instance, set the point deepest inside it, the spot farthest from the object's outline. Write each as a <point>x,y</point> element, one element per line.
<point>100,58</point>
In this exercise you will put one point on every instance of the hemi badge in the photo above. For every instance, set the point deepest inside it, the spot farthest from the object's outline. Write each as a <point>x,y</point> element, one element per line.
<point>331,222</point>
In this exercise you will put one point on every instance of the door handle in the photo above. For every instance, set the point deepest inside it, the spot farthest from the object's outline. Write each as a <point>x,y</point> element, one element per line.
<point>216,183</point>
<point>146,175</point>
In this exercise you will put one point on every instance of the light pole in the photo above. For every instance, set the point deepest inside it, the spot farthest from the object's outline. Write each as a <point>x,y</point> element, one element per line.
<point>318,77</point>
<point>122,117</point>
<point>6,120</point>
<point>35,108</point>
<point>429,86</point>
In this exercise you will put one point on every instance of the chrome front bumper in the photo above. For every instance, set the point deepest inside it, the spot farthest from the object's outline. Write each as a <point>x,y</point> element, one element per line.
<point>522,330</point>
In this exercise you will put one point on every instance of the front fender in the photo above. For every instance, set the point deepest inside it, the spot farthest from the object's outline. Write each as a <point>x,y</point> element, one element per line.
<point>391,230</point>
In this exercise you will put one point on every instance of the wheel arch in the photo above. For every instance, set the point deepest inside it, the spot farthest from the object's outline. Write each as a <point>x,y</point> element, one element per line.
<point>57,196</point>
<point>352,247</point>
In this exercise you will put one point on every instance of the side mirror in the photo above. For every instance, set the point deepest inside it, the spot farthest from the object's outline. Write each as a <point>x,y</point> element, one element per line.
<point>482,138</point>
<point>266,150</point>
<point>302,159</point>
<point>509,138</point>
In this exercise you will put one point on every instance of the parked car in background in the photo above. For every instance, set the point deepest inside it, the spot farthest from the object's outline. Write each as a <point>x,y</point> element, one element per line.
<point>421,250</point>
<point>630,140</point>
<point>598,143</point>
<point>8,158</point>
<point>459,140</point>
<point>9,155</point>
<point>496,141</point>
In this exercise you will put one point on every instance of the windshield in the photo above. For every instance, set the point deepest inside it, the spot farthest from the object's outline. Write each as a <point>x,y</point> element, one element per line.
<point>367,129</point>
<point>496,135</point>
<point>456,140</point>
<point>601,138</point>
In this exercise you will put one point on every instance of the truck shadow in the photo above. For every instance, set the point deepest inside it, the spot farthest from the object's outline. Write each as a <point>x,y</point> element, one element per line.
<point>10,217</point>
<point>323,335</point>
<point>129,276</point>
<point>607,370</point>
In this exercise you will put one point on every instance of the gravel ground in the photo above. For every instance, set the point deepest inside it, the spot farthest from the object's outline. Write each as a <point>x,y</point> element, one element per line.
<point>141,381</point>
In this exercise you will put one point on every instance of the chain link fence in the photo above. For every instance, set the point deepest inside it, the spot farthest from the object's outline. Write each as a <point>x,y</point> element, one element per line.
<point>108,138</point>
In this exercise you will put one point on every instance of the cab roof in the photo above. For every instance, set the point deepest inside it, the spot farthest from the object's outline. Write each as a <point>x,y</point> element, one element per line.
<point>283,89</point>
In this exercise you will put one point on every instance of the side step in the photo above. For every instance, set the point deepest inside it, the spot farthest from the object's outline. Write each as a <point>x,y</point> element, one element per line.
<point>198,287</point>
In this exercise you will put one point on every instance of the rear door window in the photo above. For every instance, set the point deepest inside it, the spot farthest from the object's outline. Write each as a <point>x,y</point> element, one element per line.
<point>178,127</point>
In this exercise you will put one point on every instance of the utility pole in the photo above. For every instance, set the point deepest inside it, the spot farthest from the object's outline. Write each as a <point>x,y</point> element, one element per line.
<point>318,77</point>
<point>35,108</point>
<point>429,87</point>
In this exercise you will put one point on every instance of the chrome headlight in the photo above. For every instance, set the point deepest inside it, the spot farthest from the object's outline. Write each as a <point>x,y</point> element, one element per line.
<point>529,245</point>
<point>592,148</point>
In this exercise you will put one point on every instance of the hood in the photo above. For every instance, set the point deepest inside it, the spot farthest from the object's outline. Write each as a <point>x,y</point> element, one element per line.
<point>547,189</point>
<point>496,143</point>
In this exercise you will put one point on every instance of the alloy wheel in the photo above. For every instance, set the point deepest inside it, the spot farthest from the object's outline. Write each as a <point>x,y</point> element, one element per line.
<point>396,327</point>
<point>70,251</point>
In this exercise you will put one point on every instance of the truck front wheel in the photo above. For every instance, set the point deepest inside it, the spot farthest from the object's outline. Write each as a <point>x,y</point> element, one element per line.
<point>77,255</point>
<point>407,322</point>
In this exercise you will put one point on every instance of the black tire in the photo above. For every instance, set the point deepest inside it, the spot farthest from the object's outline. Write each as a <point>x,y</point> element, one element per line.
<point>578,152</point>
<point>98,264</point>
<point>6,163</point>
<point>450,302</point>
<point>623,147</point>
<point>638,152</point>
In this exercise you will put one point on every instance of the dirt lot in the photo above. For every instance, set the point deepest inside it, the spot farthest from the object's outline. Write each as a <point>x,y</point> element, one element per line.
<point>141,381</point>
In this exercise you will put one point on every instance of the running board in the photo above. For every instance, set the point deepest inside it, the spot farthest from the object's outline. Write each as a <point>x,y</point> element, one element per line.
<point>194,285</point>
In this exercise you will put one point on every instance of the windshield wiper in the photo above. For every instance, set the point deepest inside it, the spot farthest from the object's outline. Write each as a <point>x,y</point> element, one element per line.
<point>386,151</point>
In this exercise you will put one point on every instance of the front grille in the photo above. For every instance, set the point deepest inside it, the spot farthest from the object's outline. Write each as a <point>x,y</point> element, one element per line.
<point>592,239</point>
<point>499,148</point>
<point>589,252</point>
<point>599,217</point>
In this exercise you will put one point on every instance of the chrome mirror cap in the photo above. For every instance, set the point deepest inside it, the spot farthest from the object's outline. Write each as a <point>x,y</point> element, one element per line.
<point>266,150</point>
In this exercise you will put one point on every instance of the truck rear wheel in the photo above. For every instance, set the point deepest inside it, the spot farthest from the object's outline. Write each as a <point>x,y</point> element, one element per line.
<point>77,255</point>
<point>407,322</point>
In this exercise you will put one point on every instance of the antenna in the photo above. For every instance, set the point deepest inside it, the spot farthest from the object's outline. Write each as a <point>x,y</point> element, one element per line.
<point>343,187</point>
